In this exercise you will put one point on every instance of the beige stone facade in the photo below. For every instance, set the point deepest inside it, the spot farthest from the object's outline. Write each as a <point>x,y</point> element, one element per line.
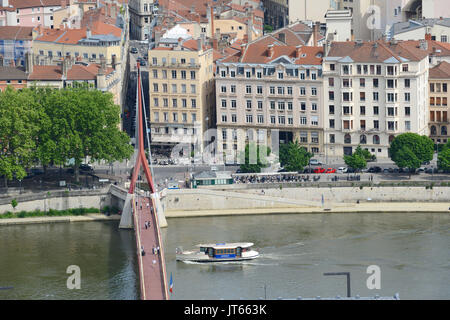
<point>181,82</point>
<point>439,92</point>
<point>270,103</point>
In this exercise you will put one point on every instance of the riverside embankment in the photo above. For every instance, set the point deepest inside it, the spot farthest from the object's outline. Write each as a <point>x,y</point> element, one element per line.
<point>245,200</point>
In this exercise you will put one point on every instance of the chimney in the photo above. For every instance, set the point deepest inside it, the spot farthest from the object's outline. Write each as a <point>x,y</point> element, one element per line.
<point>88,33</point>
<point>423,45</point>
<point>102,69</point>
<point>298,51</point>
<point>215,44</point>
<point>64,68</point>
<point>316,33</point>
<point>270,50</point>
<point>114,61</point>
<point>428,36</point>
<point>211,14</point>
<point>250,26</point>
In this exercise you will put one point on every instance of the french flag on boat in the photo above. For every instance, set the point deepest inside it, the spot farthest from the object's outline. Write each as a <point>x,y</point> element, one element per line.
<point>170,283</point>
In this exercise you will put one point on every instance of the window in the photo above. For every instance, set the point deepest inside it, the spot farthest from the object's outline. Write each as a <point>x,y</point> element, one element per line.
<point>331,109</point>
<point>155,87</point>
<point>260,118</point>
<point>376,124</point>
<point>259,89</point>
<point>192,75</point>
<point>302,91</point>
<point>314,120</point>
<point>223,89</point>
<point>303,120</point>
<point>408,125</point>
<point>174,74</point>
<point>332,123</point>
<point>194,103</point>
<point>303,137</point>
<point>407,96</point>
<point>183,74</point>
<point>314,106</point>
<point>443,38</point>
<point>224,103</point>
<point>332,138</point>
<point>233,104</point>
<point>375,110</point>
<point>303,106</point>
<point>193,88</point>
<point>314,137</point>
<point>331,82</point>
<point>249,118</point>
<point>407,111</point>
<point>331,95</point>
<point>174,88</point>
<point>362,110</point>
<point>224,118</point>
<point>314,91</point>
<point>233,88</point>
<point>248,89</point>
<point>234,117</point>
<point>405,67</point>
<point>376,139</point>
<point>249,104</point>
<point>407,83</point>
<point>313,76</point>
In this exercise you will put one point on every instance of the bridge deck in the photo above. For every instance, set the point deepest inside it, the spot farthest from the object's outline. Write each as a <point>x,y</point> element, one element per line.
<point>151,266</point>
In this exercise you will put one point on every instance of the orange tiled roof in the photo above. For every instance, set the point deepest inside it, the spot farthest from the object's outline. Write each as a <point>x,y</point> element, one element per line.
<point>441,71</point>
<point>76,72</point>
<point>378,51</point>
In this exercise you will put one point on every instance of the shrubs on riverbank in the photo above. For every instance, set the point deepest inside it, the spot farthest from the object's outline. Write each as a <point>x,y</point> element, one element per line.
<point>49,213</point>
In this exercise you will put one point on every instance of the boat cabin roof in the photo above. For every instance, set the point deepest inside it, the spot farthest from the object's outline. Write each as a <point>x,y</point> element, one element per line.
<point>226,245</point>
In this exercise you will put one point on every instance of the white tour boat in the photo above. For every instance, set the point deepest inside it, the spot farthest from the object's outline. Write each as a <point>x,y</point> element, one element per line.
<point>218,252</point>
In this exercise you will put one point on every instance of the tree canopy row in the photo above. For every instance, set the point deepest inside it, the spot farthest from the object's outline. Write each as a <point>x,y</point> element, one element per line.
<point>44,126</point>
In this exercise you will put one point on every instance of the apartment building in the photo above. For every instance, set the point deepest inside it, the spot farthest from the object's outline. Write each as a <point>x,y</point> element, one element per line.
<point>71,73</point>
<point>15,77</point>
<point>280,13</point>
<point>270,93</point>
<point>439,92</point>
<point>437,29</point>
<point>32,13</point>
<point>181,81</point>
<point>373,92</point>
<point>88,44</point>
<point>141,15</point>
<point>15,42</point>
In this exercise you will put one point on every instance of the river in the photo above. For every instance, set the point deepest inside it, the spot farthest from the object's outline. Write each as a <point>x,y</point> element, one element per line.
<point>411,250</point>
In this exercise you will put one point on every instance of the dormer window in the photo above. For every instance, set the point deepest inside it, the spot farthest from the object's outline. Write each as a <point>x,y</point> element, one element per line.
<point>280,75</point>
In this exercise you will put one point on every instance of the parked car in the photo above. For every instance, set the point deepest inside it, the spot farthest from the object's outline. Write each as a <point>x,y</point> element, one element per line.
<point>86,167</point>
<point>319,170</point>
<point>350,170</point>
<point>421,169</point>
<point>142,62</point>
<point>374,170</point>
<point>133,50</point>
<point>429,171</point>
<point>315,162</point>
<point>342,170</point>
<point>331,170</point>
<point>308,170</point>
<point>36,171</point>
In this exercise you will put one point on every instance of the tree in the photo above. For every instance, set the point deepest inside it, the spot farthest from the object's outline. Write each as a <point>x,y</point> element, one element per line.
<point>444,158</point>
<point>254,158</point>
<point>81,123</point>
<point>19,126</point>
<point>365,154</point>
<point>355,161</point>
<point>410,150</point>
<point>14,203</point>
<point>294,157</point>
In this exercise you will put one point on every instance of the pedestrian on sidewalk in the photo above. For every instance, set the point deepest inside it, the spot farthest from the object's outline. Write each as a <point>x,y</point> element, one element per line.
<point>157,250</point>
<point>142,251</point>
